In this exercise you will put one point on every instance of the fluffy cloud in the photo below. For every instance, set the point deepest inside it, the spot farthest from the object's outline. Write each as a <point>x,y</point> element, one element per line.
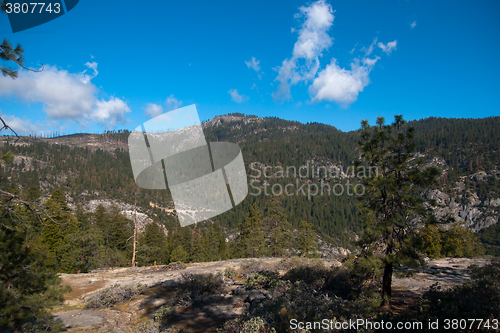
<point>19,125</point>
<point>332,83</point>
<point>153,110</point>
<point>313,39</point>
<point>65,95</point>
<point>236,97</point>
<point>172,103</point>
<point>413,24</point>
<point>254,64</point>
<point>110,112</point>
<point>93,66</point>
<point>342,85</point>
<point>389,47</point>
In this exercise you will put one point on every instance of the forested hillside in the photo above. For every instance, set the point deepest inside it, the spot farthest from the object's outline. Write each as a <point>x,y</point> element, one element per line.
<point>80,170</point>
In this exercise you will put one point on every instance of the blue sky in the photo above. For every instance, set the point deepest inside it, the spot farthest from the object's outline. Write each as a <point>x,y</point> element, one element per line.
<point>116,64</point>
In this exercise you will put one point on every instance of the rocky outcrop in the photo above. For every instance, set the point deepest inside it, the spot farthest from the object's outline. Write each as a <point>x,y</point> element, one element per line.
<point>129,211</point>
<point>470,212</point>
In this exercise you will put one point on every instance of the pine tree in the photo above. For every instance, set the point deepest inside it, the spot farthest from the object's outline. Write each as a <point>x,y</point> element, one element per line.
<point>391,201</point>
<point>59,223</point>
<point>306,238</point>
<point>155,241</point>
<point>280,229</point>
<point>250,242</point>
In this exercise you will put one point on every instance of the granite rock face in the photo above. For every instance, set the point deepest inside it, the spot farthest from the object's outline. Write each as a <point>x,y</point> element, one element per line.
<point>467,209</point>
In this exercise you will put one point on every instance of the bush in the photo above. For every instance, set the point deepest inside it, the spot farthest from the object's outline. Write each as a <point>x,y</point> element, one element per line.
<point>146,327</point>
<point>197,284</point>
<point>250,267</point>
<point>310,272</point>
<point>252,325</point>
<point>287,263</point>
<point>231,273</point>
<point>164,314</point>
<point>261,280</point>
<point>478,298</point>
<point>113,295</point>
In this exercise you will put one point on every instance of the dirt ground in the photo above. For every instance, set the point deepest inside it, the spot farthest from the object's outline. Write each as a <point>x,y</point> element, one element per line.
<point>445,271</point>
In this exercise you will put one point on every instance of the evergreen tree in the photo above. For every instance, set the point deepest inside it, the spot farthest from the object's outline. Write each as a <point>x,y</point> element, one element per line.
<point>179,254</point>
<point>391,202</point>
<point>154,241</point>
<point>250,241</point>
<point>306,239</point>
<point>27,287</point>
<point>280,229</point>
<point>59,223</point>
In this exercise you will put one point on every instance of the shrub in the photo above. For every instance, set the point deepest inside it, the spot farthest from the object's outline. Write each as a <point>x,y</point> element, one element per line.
<point>250,267</point>
<point>146,327</point>
<point>197,284</point>
<point>231,273</point>
<point>252,325</point>
<point>478,298</point>
<point>310,272</point>
<point>164,314</point>
<point>113,295</point>
<point>287,263</point>
<point>261,280</point>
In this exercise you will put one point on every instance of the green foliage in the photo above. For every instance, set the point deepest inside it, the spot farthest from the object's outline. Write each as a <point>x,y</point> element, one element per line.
<point>164,314</point>
<point>490,237</point>
<point>431,240</point>
<point>179,254</point>
<point>456,241</point>
<point>8,53</point>
<point>152,245</point>
<point>306,238</point>
<point>460,242</point>
<point>113,295</point>
<point>250,240</point>
<point>261,280</point>
<point>231,273</point>
<point>27,287</point>
<point>391,200</point>
<point>279,229</point>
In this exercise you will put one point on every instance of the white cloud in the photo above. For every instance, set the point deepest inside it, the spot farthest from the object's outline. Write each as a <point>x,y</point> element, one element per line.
<point>172,103</point>
<point>153,110</point>
<point>92,65</point>
<point>389,47</point>
<point>65,95</point>
<point>236,97</point>
<point>313,39</point>
<point>21,126</point>
<point>413,24</point>
<point>369,50</point>
<point>254,64</point>
<point>110,112</point>
<point>342,85</point>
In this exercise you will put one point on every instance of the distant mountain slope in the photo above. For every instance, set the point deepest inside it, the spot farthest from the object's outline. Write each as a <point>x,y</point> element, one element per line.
<point>90,167</point>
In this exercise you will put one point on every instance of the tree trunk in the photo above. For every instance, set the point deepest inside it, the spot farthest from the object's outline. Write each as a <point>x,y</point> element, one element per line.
<point>386,284</point>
